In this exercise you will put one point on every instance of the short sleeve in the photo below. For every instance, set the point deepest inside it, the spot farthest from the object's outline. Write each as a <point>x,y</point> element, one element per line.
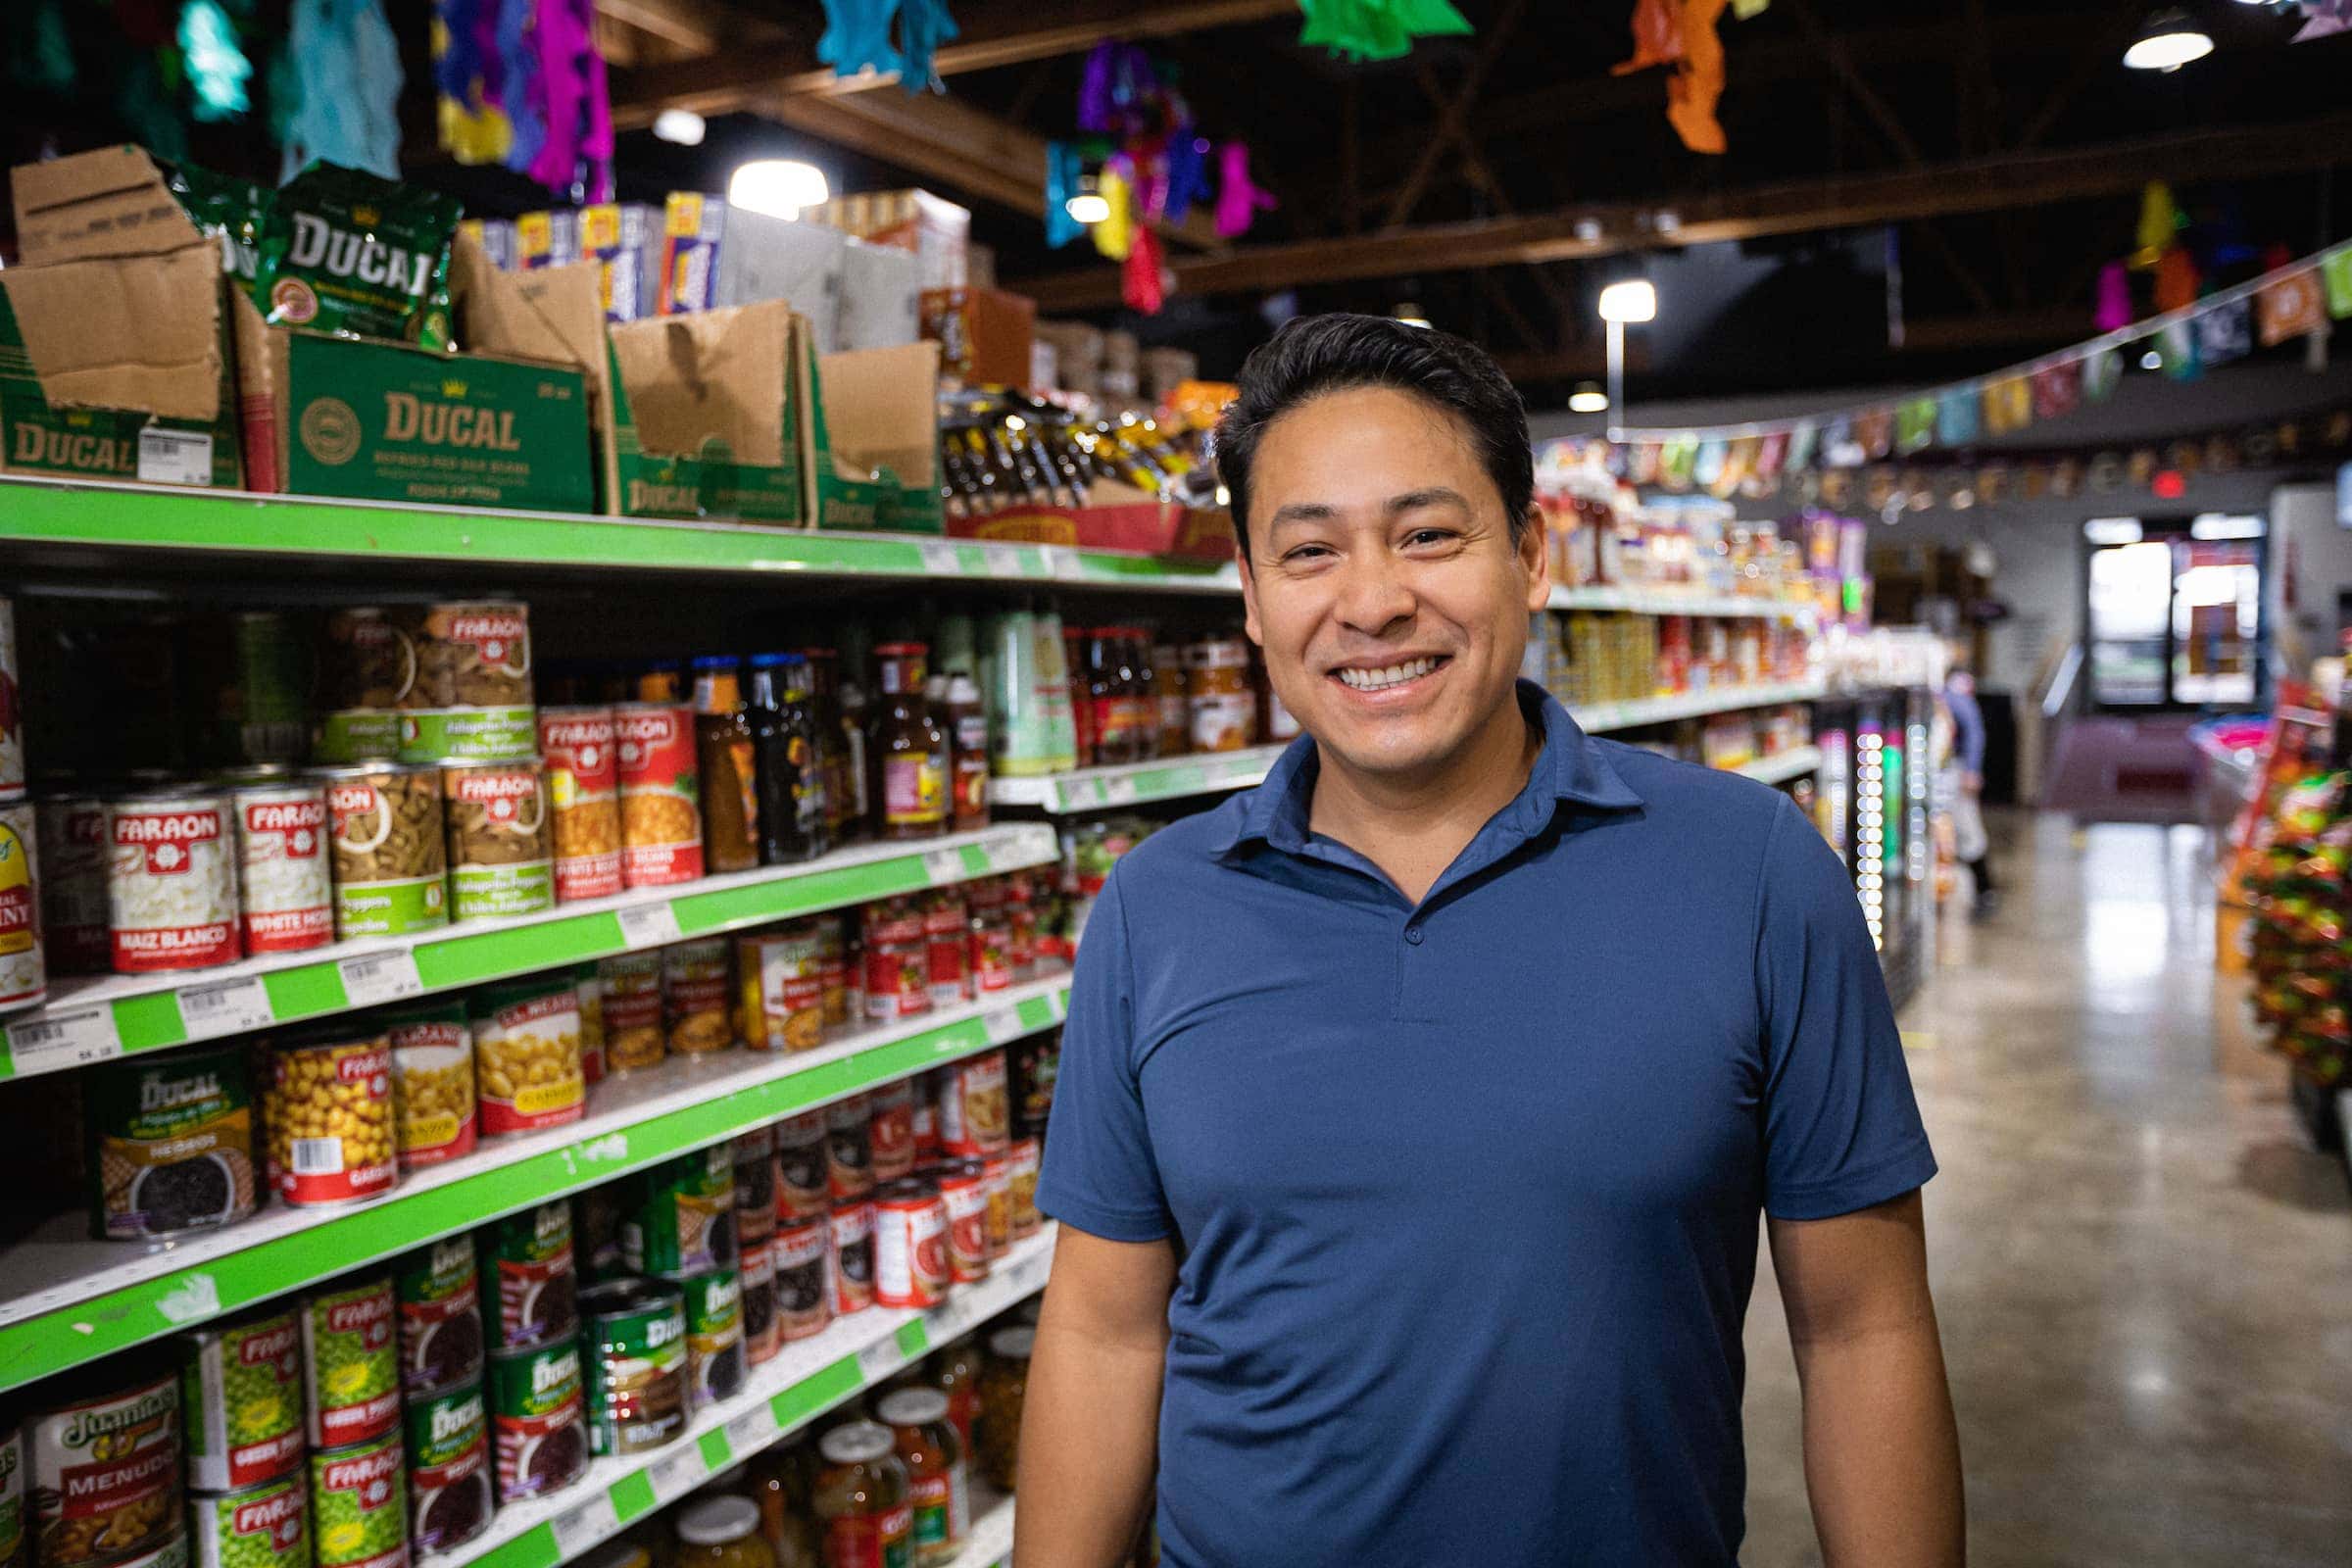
<point>1842,1130</point>
<point>1100,1174</point>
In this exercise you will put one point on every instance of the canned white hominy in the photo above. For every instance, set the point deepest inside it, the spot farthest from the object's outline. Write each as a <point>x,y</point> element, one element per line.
<point>286,896</point>
<point>23,981</point>
<point>171,881</point>
<point>72,834</point>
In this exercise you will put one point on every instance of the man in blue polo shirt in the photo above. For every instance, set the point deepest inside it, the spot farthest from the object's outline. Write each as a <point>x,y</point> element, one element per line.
<point>1417,1107</point>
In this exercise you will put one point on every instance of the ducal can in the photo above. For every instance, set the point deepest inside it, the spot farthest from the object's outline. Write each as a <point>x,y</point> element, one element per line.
<point>682,1220</point>
<point>71,835</point>
<point>538,1418</point>
<point>351,1352</point>
<point>266,1525</point>
<point>911,1246</point>
<point>530,1278</point>
<point>754,1186</point>
<point>661,800</point>
<point>24,978</point>
<point>804,1168</point>
<point>499,859</point>
<point>761,1339</point>
<point>286,896</point>
<point>240,1402</point>
<point>360,1504</point>
<point>171,881</point>
<point>801,1255</point>
<point>449,1469</point>
<point>633,1344</point>
<point>437,1292</point>
<point>715,1358</point>
<point>583,786</point>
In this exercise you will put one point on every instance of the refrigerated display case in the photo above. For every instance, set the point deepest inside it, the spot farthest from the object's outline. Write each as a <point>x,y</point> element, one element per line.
<point>1872,807</point>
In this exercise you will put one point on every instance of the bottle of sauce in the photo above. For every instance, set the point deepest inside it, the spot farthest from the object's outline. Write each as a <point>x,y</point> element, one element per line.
<point>723,753</point>
<point>1111,696</point>
<point>1074,641</point>
<point>860,819</point>
<point>792,823</point>
<point>1143,700</point>
<point>938,1489</point>
<point>779,1486</point>
<point>658,683</point>
<point>1174,720</point>
<point>860,1495</point>
<point>832,741</point>
<point>908,767</point>
<point>966,719</point>
<point>955,1373</point>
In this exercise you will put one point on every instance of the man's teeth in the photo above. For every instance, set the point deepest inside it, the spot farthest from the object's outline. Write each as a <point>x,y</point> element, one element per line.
<point>1372,680</point>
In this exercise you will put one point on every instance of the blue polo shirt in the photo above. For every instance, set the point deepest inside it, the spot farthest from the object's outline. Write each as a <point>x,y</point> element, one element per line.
<point>1466,1191</point>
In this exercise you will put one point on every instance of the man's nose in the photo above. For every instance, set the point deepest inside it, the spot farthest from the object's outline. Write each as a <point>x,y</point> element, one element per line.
<point>1373,593</point>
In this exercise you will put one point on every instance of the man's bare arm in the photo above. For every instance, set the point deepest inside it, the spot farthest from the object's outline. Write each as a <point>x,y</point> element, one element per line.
<point>1089,1423</point>
<point>1882,1450</point>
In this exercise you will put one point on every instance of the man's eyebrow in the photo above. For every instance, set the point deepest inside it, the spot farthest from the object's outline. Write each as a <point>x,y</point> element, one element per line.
<point>1435,495</point>
<point>1304,511</point>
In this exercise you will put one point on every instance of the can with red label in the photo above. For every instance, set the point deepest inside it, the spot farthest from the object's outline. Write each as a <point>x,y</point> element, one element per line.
<point>996,1172</point>
<point>800,1257</point>
<point>844,989</point>
<point>850,1262</point>
<point>71,835</point>
<point>496,818</point>
<point>23,979</point>
<point>526,1055</point>
<point>804,1168</point>
<point>583,786</point>
<point>989,951</point>
<point>947,944</point>
<point>783,984</point>
<point>171,881</point>
<point>1020,912</point>
<point>286,896</point>
<point>911,1246</point>
<point>898,962</point>
<point>98,1477</point>
<point>926,1117</point>
<point>964,1188</point>
<point>327,1102</point>
<point>889,1131</point>
<point>975,1112</point>
<point>661,800</point>
<point>1021,1162</point>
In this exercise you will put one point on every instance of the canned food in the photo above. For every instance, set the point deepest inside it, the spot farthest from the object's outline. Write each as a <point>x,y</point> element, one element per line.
<point>528,1276</point>
<point>351,1394</point>
<point>596,1217</point>
<point>591,991</point>
<point>432,1064</point>
<point>804,1168</point>
<point>172,1553</point>
<point>801,1260</point>
<point>526,1055</point>
<point>438,1296</point>
<point>760,1337</point>
<point>266,1525</point>
<point>105,1472</point>
<point>360,1505</point>
<point>12,1494</point>
<point>695,980</point>
<point>911,1246</point>
<point>24,977</point>
<point>754,1155</point>
<point>538,1420</point>
<point>682,1220</point>
<point>850,1270</point>
<point>286,896</point>
<point>472,697</point>
<point>259,708</point>
<point>369,665</point>
<point>12,731</point>
<point>973,1112</point>
<point>170,881</point>
<point>635,1346</point>
<point>169,1143</point>
<point>328,1103</point>
<point>1032,1068</point>
<point>69,832</point>
<point>240,1402</point>
<point>449,1469</point>
<point>964,1188</point>
<point>660,802</point>
<point>583,785</point>
<point>714,1357</point>
<point>844,992</point>
<point>898,962</point>
<point>923,1116</point>
<point>848,1149</point>
<point>631,984</point>
<point>356,735</point>
<point>783,989</point>
<point>988,956</point>
<point>391,853</point>
<point>890,1129</point>
<point>1021,1162</point>
<point>947,944</point>
<point>499,860</point>
<point>997,1174</point>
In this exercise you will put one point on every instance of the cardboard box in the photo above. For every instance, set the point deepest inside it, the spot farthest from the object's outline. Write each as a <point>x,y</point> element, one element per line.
<point>705,405</point>
<point>692,228</point>
<point>870,437</point>
<point>935,229</point>
<point>115,357</point>
<point>555,316</point>
<point>495,237</point>
<point>881,298</point>
<point>625,243</point>
<point>768,258</point>
<point>983,335</point>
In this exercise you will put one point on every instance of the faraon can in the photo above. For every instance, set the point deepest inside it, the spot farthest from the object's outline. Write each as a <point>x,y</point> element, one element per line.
<point>391,853</point>
<point>583,786</point>
<point>72,866</point>
<point>241,1403</point>
<point>169,1143</point>
<point>106,1473</point>
<point>360,1505</point>
<point>286,898</point>
<point>352,1395</point>
<point>437,1292</point>
<point>24,975</point>
<point>329,1105</point>
<point>263,1526</point>
<point>539,1420</point>
<point>472,697</point>
<point>171,881</point>
<point>660,799</point>
<point>499,862</point>
<point>449,1469</point>
<point>634,1343</point>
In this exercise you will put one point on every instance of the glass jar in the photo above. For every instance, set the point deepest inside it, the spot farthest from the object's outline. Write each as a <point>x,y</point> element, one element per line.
<point>724,756</point>
<point>1003,1387</point>
<point>966,719</point>
<point>860,1495</point>
<point>938,1489</point>
<point>1219,696</point>
<point>907,766</point>
<point>955,1373</point>
<point>1172,718</point>
<point>721,1532</point>
<point>779,1485</point>
<point>845,787</point>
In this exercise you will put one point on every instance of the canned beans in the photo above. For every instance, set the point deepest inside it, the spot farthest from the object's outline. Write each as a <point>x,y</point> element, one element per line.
<point>661,805</point>
<point>527,1048</point>
<point>432,1062</point>
<point>391,853</point>
<point>499,862</point>
<point>583,782</point>
<point>329,1105</point>
<point>171,881</point>
<point>70,831</point>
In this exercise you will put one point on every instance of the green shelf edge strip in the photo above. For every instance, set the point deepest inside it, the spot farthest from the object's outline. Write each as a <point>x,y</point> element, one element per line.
<point>152,1020</point>
<point>81,1332</point>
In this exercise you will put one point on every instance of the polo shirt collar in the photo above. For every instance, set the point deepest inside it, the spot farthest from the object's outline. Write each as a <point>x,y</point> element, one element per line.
<point>1570,768</point>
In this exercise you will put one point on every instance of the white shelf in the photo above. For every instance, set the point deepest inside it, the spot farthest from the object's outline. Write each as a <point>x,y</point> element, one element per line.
<point>1680,601</point>
<point>1596,717</point>
<point>1092,789</point>
<point>990,1543</point>
<point>1781,766</point>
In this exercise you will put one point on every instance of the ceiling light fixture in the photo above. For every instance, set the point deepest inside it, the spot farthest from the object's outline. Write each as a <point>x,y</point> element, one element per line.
<point>681,125</point>
<point>780,187</point>
<point>1633,300</point>
<point>1588,398</point>
<point>2151,360</point>
<point>2168,41</point>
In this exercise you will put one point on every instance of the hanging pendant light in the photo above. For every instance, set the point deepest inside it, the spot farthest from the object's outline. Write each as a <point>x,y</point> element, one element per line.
<point>2168,41</point>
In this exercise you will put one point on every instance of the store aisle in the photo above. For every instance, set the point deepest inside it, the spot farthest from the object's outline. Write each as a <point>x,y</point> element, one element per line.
<point>2145,1279</point>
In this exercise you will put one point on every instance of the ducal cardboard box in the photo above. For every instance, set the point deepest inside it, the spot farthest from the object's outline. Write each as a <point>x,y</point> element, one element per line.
<point>114,353</point>
<point>870,437</point>
<point>554,316</point>
<point>705,406</point>
<point>983,335</point>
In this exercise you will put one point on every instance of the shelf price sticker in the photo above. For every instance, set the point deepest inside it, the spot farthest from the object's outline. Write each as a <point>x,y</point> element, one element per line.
<point>68,1037</point>
<point>1001,1024</point>
<point>651,925</point>
<point>880,1359</point>
<point>679,1473</point>
<point>583,1527</point>
<point>752,1431</point>
<point>374,978</point>
<point>226,1007</point>
<point>942,866</point>
<point>1120,791</point>
<point>939,560</point>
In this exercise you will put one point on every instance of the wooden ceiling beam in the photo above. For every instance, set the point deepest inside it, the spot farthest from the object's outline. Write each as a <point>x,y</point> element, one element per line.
<point>1981,185</point>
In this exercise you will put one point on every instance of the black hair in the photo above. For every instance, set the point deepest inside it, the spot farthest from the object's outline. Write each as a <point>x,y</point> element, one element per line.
<point>1312,355</point>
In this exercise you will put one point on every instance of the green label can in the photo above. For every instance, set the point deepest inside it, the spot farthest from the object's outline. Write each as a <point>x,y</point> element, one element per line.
<point>391,852</point>
<point>240,1401</point>
<point>171,1143</point>
<point>682,1222</point>
<point>449,1469</point>
<point>350,1342</point>
<point>465,734</point>
<point>529,1277</point>
<point>360,1505</point>
<point>268,1526</point>
<point>634,1343</point>
<point>714,1356</point>
<point>356,735</point>
<point>501,861</point>
<point>538,1420</point>
<point>440,1301</point>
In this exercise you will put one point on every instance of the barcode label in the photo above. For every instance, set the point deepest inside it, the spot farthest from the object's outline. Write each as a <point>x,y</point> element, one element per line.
<point>175,457</point>
<point>317,1156</point>
<point>651,926</point>
<point>71,1038</point>
<point>880,1359</point>
<point>1120,791</point>
<point>379,977</point>
<point>226,1007</point>
<point>575,1532</point>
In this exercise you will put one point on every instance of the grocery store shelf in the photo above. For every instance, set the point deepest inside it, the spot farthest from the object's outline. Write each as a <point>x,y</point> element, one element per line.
<point>1675,602</point>
<point>120,518</point>
<point>805,1381</point>
<point>990,1543</point>
<point>1781,766</point>
<point>89,1020</point>
<point>1595,717</point>
<point>72,1299</point>
<point>1095,788</point>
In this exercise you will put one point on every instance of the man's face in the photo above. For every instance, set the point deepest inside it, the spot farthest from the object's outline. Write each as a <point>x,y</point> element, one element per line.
<point>1382,582</point>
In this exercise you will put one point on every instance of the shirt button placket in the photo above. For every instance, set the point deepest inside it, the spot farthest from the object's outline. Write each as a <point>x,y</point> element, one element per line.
<point>1413,966</point>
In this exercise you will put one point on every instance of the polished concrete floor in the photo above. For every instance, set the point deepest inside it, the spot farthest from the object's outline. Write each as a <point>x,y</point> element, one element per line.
<point>2144,1276</point>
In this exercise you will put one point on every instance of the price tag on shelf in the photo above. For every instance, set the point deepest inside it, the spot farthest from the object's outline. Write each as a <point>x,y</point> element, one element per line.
<point>583,1527</point>
<point>1001,1024</point>
<point>1118,791</point>
<point>1060,562</point>
<point>379,977</point>
<point>226,1007</point>
<point>63,1037</point>
<point>942,866</point>
<point>752,1431</point>
<point>650,925</point>
<point>681,1472</point>
<point>880,1359</point>
<point>939,559</point>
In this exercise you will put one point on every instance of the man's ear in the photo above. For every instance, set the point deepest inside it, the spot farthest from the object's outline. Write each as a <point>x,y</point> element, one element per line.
<point>1534,547</point>
<point>1241,556</point>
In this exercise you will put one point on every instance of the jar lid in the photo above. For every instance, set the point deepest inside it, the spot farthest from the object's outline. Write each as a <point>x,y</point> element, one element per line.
<point>1013,1344</point>
<point>856,1442</point>
<point>912,1408</point>
<point>715,1521</point>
